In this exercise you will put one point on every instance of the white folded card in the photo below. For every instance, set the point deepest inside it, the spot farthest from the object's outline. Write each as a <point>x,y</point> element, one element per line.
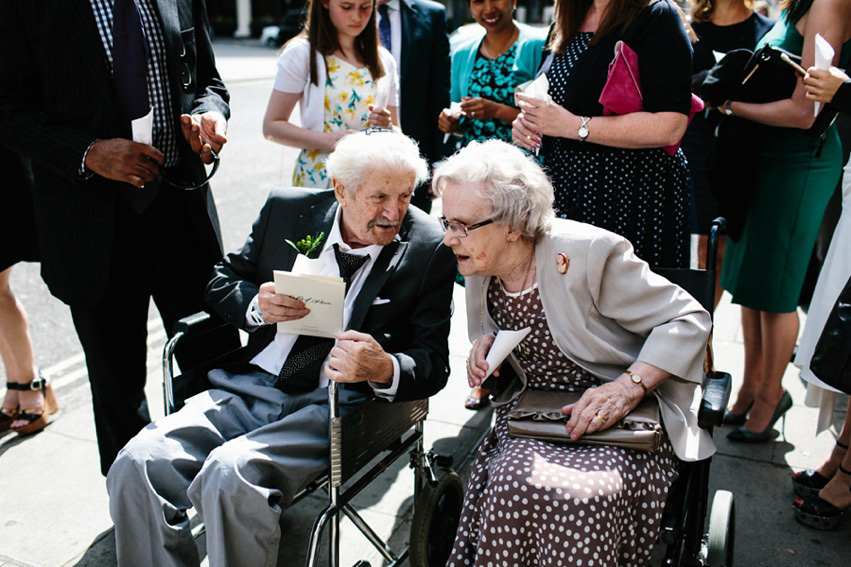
<point>824,56</point>
<point>323,295</point>
<point>503,344</point>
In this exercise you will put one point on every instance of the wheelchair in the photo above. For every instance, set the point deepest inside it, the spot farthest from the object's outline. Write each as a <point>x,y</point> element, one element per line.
<point>364,443</point>
<point>687,543</point>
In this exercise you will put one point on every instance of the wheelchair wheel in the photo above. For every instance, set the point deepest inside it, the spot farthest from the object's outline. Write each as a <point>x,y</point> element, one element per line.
<point>722,522</point>
<point>437,512</point>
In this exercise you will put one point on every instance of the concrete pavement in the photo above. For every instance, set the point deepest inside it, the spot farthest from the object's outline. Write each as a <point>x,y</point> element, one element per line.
<point>54,503</point>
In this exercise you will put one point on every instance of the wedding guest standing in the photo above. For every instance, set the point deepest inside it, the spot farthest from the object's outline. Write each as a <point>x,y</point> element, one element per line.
<point>610,171</point>
<point>487,69</point>
<point>797,173</point>
<point>116,223</point>
<point>342,79</point>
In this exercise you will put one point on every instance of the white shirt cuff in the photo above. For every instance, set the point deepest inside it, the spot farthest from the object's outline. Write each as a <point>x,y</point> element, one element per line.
<point>388,393</point>
<point>253,316</point>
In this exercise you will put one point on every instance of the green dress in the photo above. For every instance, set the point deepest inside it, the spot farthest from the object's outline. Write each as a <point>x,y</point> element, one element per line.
<point>764,270</point>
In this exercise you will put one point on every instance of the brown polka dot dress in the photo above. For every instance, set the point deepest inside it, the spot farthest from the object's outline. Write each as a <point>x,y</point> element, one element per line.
<point>532,502</point>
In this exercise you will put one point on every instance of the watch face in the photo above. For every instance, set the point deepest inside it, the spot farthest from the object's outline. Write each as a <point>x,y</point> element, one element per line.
<point>583,132</point>
<point>635,378</point>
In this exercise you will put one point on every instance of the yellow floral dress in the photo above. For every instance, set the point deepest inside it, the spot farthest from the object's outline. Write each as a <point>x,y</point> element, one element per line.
<point>348,91</point>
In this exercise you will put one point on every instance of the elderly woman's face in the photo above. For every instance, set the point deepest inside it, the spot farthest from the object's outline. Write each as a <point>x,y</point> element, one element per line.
<point>478,252</point>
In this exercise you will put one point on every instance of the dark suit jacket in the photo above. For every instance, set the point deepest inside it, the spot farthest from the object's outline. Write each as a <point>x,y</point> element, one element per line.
<point>415,273</point>
<point>57,97</point>
<point>424,73</point>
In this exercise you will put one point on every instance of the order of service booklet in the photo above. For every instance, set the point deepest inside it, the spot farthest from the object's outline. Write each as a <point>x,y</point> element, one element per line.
<point>323,295</point>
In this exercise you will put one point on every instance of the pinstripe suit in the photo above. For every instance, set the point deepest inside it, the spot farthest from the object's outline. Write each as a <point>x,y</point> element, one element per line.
<point>99,257</point>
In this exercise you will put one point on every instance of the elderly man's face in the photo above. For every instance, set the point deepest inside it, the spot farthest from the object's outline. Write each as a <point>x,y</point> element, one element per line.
<point>373,213</point>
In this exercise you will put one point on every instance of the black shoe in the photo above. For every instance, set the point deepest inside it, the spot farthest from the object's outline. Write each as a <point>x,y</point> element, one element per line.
<point>818,513</point>
<point>731,418</point>
<point>744,435</point>
<point>808,483</point>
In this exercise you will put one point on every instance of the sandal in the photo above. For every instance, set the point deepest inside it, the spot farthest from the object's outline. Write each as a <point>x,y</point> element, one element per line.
<point>36,418</point>
<point>476,403</point>
<point>818,513</point>
<point>7,416</point>
<point>808,483</point>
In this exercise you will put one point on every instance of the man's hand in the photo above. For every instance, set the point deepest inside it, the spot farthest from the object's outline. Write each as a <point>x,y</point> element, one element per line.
<point>123,160</point>
<point>277,307</point>
<point>205,133</point>
<point>357,357</point>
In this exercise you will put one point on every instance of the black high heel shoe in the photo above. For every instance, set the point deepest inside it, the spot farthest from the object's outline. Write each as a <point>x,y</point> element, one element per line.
<point>744,435</point>
<point>808,483</point>
<point>818,513</point>
<point>731,418</point>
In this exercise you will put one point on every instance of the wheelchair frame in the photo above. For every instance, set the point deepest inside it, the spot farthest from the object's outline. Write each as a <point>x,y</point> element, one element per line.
<point>688,544</point>
<point>356,440</point>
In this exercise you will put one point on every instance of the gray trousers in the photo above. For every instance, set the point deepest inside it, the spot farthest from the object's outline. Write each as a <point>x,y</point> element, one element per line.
<point>239,453</point>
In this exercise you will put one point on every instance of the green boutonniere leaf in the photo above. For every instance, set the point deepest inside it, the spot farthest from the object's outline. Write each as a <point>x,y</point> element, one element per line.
<point>309,245</point>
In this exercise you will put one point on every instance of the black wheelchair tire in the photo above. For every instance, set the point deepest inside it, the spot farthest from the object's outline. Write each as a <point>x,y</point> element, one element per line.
<point>722,524</point>
<point>437,512</point>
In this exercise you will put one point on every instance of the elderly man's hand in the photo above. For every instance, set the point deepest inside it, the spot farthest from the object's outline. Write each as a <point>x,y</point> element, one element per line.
<point>205,133</point>
<point>600,408</point>
<point>477,367</point>
<point>357,357</point>
<point>277,307</point>
<point>123,160</point>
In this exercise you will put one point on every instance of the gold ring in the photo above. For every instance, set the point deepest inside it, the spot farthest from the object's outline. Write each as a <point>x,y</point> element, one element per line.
<point>473,113</point>
<point>603,419</point>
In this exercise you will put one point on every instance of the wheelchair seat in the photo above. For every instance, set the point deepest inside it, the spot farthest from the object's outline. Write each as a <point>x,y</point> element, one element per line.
<point>365,442</point>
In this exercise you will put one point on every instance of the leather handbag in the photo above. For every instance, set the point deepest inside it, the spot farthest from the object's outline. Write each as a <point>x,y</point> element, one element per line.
<point>831,361</point>
<point>622,92</point>
<point>537,415</point>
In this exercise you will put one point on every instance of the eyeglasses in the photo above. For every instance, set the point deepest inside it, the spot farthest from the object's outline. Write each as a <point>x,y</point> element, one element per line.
<point>191,185</point>
<point>460,229</point>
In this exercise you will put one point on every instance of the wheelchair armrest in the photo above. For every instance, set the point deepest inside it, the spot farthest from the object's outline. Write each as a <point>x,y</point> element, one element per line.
<point>716,394</point>
<point>201,322</point>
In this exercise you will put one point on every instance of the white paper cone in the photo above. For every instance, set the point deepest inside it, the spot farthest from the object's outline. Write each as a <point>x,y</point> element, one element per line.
<point>143,129</point>
<point>824,57</point>
<point>503,344</point>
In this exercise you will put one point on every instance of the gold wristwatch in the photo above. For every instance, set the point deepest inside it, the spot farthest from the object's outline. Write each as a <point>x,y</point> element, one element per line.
<point>636,379</point>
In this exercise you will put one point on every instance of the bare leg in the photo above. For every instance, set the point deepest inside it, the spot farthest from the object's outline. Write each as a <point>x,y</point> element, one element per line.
<point>16,349</point>
<point>779,333</point>
<point>838,490</point>
<point>752,330</point>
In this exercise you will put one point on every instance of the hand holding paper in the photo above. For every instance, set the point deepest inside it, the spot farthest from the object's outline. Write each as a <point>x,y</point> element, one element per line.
<point>503,344</point>
<point>537,89</point>
<point>824,56</point>
<point>455,113</point>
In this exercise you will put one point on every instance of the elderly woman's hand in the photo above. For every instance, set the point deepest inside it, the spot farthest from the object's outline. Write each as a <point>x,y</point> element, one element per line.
<point>822,85</point>
<point>600,408</point>
<point>477,367</point>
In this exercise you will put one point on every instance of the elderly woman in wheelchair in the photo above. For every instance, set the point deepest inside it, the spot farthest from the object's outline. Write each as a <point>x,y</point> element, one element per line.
<point>601,325</point>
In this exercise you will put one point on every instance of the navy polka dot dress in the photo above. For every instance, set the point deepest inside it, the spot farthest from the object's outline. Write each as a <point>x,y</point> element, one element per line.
<point>639,194</point>
<point>533,503</point>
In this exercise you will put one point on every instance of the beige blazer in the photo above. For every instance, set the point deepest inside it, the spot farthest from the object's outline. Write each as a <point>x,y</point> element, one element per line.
<point>609,310</point>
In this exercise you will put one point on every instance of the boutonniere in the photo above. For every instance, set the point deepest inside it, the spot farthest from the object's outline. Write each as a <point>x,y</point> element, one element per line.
<point>308,245</point>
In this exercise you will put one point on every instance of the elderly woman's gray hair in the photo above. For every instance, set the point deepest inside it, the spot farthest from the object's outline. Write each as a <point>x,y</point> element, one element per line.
<point>358,154</point>
<point>519,191</point>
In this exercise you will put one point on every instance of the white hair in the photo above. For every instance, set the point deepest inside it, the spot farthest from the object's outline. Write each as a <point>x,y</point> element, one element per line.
<point>518,190</point>
<point>358,154</point>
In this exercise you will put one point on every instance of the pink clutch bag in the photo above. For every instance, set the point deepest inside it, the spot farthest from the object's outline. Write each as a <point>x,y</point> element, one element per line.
<point>622,91</point>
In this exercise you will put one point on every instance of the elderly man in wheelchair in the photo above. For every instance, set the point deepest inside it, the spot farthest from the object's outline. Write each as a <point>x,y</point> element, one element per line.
<point>240,451</point>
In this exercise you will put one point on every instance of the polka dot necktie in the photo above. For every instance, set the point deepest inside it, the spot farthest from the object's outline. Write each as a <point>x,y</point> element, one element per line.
<point>300,372</point>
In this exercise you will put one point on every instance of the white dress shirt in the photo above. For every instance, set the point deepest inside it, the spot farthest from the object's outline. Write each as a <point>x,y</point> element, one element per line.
<point>272,358</point>
<point>393,11</point>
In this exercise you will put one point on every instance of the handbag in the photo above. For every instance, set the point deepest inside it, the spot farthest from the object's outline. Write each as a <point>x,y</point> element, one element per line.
<point>537,415</point>
<point>831,361</point>
<point>622,92</point>
<point>731,168</point>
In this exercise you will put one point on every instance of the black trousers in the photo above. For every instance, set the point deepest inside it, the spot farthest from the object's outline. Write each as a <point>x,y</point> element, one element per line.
<point>158,254</point>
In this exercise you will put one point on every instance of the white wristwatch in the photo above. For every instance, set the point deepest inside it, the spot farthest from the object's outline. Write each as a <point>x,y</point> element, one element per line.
<point>583,131</point>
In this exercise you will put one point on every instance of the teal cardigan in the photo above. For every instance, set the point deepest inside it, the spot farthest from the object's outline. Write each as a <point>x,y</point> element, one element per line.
<point>530,43</point>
